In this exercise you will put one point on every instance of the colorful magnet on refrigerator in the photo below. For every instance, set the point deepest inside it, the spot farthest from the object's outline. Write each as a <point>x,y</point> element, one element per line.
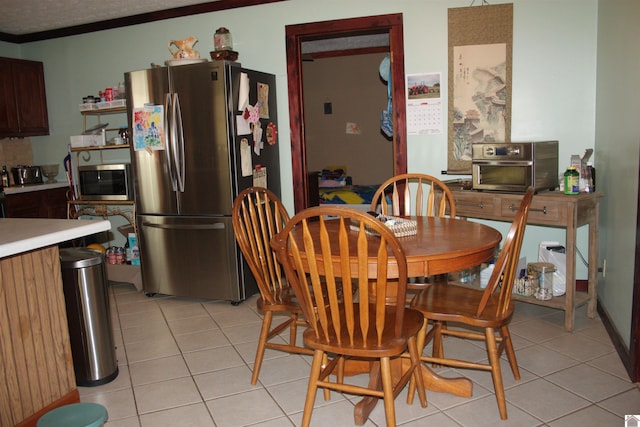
<point>257,138</point>
<point>272,133</point>
<point>252,113</point>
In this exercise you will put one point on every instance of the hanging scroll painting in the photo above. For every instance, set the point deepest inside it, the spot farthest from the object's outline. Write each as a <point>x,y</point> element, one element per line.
<point>480,42</point>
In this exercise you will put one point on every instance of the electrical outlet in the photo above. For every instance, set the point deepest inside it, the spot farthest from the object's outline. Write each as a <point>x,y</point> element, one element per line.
<point>603,269</point>
<point>328,108</point>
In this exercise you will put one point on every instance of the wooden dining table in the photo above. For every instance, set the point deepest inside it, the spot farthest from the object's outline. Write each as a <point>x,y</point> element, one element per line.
<point>439,246</point>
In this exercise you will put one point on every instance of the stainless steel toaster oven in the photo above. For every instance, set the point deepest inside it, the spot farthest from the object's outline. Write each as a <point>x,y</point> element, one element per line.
<point>513,167</point>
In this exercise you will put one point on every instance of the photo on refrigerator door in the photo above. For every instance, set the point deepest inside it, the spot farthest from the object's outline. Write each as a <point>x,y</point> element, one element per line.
<point>148,128</point>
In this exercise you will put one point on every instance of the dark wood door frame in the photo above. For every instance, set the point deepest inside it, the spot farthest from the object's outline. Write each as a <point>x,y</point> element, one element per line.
<point>634,345</point>
<point>295,36</point>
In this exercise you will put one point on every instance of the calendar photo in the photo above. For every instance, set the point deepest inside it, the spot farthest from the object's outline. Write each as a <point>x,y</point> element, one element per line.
<point>424,104</point>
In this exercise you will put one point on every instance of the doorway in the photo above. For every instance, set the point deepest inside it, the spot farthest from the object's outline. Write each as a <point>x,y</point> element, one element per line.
<point>296,35</point>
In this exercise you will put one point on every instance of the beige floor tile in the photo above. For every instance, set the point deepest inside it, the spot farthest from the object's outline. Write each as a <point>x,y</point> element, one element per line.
<point>166,395</point>
<point>248,350</point>
<point>191,361</point>
<point>202,340</point>
<point>591,416</point>
<point>545,400</point>
<point>292,395</point>
<point>283,369</point>
<point>334,414</point>
<point>241,316</point>
<point>612,364</point>
<point>627,403</point>
<point>151,349</point>
<point>212,359</point>
<point>182,310</point>
<point>578,346</point>
<point>537,330</point>
<point>484,412</point>
<point>542,360</point>
<point>120,403</point>
<point>131,320</point>
<point>244,409</point>
<point>196,415</point>
<point>189,325</point>
<point>157,330</point>
<point>249,332</point>
<point>225,382</point>
<point>589,382</point>
<point>124,422</point>
<point>156,370</point>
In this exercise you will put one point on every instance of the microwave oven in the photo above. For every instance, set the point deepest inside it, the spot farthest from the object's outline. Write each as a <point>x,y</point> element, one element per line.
<point>515,166</point>
<point>105,182</point>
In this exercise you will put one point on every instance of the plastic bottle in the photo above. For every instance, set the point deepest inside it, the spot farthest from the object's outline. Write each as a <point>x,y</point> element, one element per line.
<point>571,181</point>
<point>485,274</point>
<point>5,177</point>
<point>127,252</point>
<point>591,171</point>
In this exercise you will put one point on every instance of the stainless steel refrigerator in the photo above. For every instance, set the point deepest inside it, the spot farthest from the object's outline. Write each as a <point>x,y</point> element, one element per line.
<point>196,144</point>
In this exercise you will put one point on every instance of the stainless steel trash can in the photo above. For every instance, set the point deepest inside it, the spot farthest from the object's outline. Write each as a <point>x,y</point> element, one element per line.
<point>88,316</point>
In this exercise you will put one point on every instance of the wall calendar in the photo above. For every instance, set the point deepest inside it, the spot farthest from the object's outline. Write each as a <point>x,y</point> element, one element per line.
<point>424,104</point>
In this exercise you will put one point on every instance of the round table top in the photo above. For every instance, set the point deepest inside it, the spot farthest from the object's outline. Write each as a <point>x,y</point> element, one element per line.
<point>441,245</point>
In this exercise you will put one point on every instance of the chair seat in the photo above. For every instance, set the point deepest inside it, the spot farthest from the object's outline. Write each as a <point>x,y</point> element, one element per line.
<point>413,321</point>
<point>454,303</point>
<point>281,303</point>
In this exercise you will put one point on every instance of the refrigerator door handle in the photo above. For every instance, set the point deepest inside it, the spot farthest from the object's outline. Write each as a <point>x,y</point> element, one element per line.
<point>179,144</point>
<point>168,116</point>
<point>214,226</point>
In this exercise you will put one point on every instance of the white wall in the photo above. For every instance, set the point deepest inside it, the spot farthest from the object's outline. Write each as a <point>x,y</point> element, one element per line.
<point>554,71</point>
<point>617,148</point>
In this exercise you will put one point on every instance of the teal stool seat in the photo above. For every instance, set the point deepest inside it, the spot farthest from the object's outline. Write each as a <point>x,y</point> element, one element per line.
<point>75,415</point>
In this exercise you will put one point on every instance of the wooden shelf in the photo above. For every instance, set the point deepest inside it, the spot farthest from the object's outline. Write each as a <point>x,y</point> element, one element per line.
<point>100,148</point>
<point>104,111</point>
<point>580,298</point>
<point>103,208</point>
<point>101,202</point>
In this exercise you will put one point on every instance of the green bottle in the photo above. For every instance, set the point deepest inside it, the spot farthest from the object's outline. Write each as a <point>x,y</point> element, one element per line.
<point>571,181</point>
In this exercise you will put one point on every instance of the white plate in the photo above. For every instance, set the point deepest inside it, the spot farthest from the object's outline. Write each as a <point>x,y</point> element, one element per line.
<point>172,62</point>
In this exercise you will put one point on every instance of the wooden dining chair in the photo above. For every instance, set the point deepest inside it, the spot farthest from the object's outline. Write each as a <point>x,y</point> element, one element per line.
<point>339,270</point>
<point>415,194</point>
<point>489,309</point>
<point>257,216</point>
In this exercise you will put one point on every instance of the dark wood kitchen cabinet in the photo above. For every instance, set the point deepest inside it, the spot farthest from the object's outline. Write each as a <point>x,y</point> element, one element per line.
<point>50,203</point>
<point>23,101</point>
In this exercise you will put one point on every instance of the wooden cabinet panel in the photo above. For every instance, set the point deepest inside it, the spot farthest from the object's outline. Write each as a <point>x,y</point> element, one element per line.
<point>50,203</point>
<point>23,101</point>
<point>8,110</point>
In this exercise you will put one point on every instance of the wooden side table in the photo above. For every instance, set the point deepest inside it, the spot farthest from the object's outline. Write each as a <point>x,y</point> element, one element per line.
<point>550,209</point>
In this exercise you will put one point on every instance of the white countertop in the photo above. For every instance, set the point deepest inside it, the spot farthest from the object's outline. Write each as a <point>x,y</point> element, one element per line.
<point>34,187</point>
<point>19,235</point>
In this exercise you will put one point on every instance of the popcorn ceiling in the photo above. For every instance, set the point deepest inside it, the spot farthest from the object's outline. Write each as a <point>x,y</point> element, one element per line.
<point>31,16</point>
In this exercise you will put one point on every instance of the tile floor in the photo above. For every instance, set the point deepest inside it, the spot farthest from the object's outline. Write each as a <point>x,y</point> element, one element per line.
<point>186,362</point>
